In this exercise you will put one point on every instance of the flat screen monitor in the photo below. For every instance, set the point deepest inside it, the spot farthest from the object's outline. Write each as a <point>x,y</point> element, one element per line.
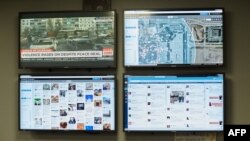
<point>174,102</point>
<point>69,39</point>
<point>67,103</point>
<point>172,38</point>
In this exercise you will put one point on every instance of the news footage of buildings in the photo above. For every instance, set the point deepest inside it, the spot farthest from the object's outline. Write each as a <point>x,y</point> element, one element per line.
<point>67,34</point>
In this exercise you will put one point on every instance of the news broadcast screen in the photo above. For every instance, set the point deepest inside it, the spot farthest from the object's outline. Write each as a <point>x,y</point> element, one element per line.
<point>174,102</point>
<point>82,103</point>
<point>171,38</point>
<point>74,39</point>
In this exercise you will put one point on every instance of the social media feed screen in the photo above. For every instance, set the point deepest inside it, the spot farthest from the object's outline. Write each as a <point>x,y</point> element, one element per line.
<point>67,103</point>
<point>67,40</point>
<point>173,103</point>
<point>186,37</point>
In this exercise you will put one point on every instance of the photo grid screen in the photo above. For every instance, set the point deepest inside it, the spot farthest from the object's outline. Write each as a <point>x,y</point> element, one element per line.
<point>173,103</point>
<point>67,103</point>
<point>162,38</point>
<point>67,39</point>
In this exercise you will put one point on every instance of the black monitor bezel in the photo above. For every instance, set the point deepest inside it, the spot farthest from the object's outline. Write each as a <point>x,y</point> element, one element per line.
<point>216,65</point>
<point>173,74</point>
<point>70,74</point>
<point>65,64</point>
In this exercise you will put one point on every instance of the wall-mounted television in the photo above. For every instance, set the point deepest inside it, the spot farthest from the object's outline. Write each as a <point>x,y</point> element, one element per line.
<point>68,39</point>
<point>173,37</point>
<point>174,102</point>
<point>67,103</point>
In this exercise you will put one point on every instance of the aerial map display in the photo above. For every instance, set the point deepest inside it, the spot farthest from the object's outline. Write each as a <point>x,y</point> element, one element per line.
<point>173,37</point>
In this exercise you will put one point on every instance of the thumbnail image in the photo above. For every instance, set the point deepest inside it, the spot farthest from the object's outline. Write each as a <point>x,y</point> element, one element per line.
<point>46,87</point>
<point>37,87</point>
<point>106,113</point>
<point>80,106</point>
<point>106,86</point>
<point>106,126</point>
<point>98,92</point>
<point>79,93</point>
<point>38,121</point>
<point>177,96</point>
<point>54,128</point>
<point>89,98</point>
<point>89,86</point>
<point>46,101</point>
<point>106,100</point>
<point>98,103</point>
<point>72,86</point>
<point>55,86</point>
<point>71,107</point>
<point>80,126</point>
<point>63,93</point>
<point>63,125</point>
<point>63,112</point>
<point>37,101</point>
<point>89,128</point>
<point>72,120</point>
<point>54,99</point>
<point>98,120</point>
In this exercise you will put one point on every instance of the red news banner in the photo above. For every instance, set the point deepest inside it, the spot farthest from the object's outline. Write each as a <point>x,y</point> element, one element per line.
<point>49,53</point>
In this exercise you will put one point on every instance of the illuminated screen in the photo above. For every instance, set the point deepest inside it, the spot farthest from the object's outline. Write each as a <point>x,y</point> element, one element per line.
<point>67,39</point>
<point>166,38</point>
<point>174,103</point>
<point>84,103</point>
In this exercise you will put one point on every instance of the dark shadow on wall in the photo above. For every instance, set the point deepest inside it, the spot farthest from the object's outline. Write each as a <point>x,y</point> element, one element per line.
<point>228,101</point>
<point>228,41</point>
